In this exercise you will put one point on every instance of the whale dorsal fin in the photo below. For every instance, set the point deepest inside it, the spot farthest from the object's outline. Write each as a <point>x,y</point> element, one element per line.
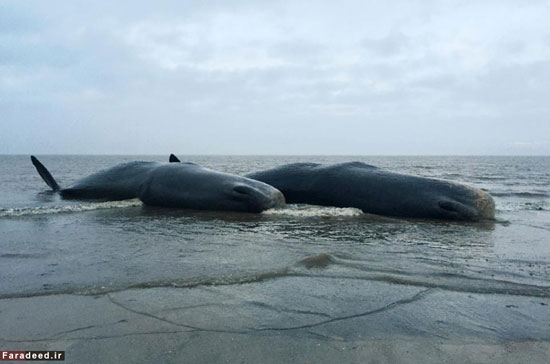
<point>173,159</point>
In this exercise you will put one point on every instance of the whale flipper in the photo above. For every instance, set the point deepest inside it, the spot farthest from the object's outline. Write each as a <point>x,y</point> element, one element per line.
<point>45,174</point>
<point>174,159</point>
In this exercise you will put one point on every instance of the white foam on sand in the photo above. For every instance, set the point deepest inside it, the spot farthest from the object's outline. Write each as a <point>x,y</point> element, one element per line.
<point>25,211</point>
<point>314,211</point>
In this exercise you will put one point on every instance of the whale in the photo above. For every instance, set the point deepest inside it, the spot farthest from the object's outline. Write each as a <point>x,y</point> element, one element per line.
<point>176,185</point>
<point>378,191</point>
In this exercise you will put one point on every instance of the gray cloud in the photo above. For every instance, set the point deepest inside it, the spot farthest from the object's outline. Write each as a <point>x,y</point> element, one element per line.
<point>402,77</point>
<point>392,44</point>
<point>18,18</point>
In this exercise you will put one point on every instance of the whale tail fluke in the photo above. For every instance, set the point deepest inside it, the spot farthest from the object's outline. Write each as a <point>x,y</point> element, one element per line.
<point>173,159</point>
<point>45,174</point>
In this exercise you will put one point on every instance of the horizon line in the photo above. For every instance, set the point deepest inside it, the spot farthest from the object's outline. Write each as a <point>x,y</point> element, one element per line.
<point>279,155</point>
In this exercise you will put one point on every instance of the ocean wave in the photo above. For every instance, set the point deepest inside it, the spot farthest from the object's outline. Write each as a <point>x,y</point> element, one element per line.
<point>491,178</point>
<point>524,206</point>
<point>314,211</point>
<point>319,266</point>
<point>521,194</point>
<point>45,210</point>
<point>457,282</point>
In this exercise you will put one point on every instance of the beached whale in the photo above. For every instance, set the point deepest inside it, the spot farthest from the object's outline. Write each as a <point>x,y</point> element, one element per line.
<point>377,191</point>
<point>181,185</point>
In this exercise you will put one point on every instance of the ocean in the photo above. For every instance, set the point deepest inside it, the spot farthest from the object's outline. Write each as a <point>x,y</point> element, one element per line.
<point>303,268</point>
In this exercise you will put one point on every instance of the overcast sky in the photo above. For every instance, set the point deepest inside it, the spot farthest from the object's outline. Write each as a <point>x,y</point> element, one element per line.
<point>275,77</point>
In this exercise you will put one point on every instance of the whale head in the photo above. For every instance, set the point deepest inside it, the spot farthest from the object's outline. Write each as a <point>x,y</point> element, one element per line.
<point>462,202</point>
<point>187,185</point>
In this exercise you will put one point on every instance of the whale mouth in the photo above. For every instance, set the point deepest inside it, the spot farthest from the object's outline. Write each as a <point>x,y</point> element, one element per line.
<point>459,210</point>
<point>481,208</point>
<point>257,200</point>
<point>242,192</point>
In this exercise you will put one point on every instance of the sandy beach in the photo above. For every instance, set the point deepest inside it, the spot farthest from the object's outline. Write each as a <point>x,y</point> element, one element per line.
<point>276,321</point>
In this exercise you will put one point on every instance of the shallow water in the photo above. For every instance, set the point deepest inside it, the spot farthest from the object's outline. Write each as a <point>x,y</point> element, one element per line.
<point>49,245</point>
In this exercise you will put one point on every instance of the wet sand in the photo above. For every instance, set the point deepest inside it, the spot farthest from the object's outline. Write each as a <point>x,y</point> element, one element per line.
<point>271,322</point>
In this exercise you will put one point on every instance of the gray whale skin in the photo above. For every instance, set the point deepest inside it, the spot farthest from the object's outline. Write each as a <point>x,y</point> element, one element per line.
<point>377,191</point>
<point>180,185</point>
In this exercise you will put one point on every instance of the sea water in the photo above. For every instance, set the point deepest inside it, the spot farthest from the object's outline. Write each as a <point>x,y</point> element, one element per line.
<point>297,256</point>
